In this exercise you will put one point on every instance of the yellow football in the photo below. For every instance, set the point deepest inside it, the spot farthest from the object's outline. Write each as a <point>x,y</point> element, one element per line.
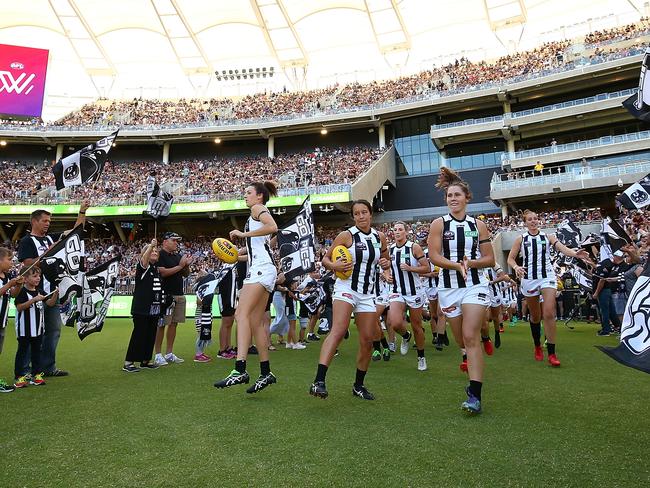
<point>225,250</point>
<point>341,253</point>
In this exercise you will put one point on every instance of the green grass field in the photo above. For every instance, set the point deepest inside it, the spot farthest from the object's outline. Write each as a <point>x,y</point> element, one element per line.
<point>584,424</point>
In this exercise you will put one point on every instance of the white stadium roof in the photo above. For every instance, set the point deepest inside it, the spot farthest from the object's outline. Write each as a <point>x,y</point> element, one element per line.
<point>171,48</point>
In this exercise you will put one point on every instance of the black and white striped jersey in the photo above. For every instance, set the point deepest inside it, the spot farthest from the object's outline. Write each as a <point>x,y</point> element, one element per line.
<point>365,251</point>
<point>536,255</point>
<point>259,248</point>
<point>4,302</point>
<point>406,283</point>
<point>30,322</point>
<point>492,274</point>
<point>460,238</point>
<point>428,281</point>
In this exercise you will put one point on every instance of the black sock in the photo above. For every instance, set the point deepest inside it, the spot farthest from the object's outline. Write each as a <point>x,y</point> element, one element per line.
<point>406,336</point>
<point>265,368</point>
<point>536,331</point>
<point>320,373</point>
<point>435,336</point>
<point>420,353</point>
<point>384,343</point>
<point>485,339</point>
<point>550,348</point>
<point>475,388</point>
<point>361,375</point>
<point>240,366</point>
<point>464,357</point>
<point>376,345</point>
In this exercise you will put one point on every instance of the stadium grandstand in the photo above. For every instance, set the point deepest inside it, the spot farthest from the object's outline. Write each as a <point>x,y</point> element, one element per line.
<point>335,100</point>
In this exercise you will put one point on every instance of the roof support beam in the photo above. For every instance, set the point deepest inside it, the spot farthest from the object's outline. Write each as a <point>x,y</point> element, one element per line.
<point>95,66</point>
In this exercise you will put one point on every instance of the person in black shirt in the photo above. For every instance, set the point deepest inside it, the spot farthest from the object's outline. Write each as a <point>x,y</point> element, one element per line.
<point>605,281</point>
<point>146,310</point>
<point>9,287</point>
<point>173,267</point>
<point>30,248</point>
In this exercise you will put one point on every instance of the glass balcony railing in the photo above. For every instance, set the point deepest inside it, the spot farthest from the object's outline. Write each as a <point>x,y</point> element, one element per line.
<point>537,110</point>
<point>574,103</point>
<point>565,174</point>
<point>575,146</point>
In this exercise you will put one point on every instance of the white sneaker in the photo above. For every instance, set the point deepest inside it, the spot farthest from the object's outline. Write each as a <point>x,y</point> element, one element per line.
<point>159,360</point>
<point>422,364</point>
<point>173,358</point>
<point>289,345</point>
<point>391,347</point>
<point>299,345</point>
<point>404,346</point>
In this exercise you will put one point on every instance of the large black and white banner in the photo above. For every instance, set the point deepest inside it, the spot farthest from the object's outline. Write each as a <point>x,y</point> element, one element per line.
<point>86,165</point>
<point>159,203</point>
<point>639,104</point>
<point>569,234</point>
<point>98,286</point>
<point>634,348</point>
<point>296,242</point>
<point>61,265</point>
<point>637,195</point>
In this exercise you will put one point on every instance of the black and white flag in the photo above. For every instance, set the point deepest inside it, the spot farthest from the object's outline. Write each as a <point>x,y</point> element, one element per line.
<point>636,196</point>
<point>634,348</point>
<point>569,234</point>
<point>86,165</point>
<point>583,279</point>
<point>205,288</point>
<point>311,294</point>
<point>62,264</point>
<point>98,286</point>
<point>639,104</point>
<point>612,238</point>
<point>159,203</point>
<point>296,242</point>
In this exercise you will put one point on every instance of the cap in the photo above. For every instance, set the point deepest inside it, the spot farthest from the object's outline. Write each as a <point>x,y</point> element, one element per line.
<point>619,254</point>
<point>171,235</point>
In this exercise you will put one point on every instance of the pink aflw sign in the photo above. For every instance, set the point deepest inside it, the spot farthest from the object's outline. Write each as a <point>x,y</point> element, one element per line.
<point>22,80</point>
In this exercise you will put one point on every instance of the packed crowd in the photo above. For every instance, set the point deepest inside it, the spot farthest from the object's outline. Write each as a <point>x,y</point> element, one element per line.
<point>209,177</point>
<point>621,33</point>
<point>457,75</point>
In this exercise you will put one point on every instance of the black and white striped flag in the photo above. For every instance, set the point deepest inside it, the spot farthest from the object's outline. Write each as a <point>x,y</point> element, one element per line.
<point>86,165</point>
<point>636,196</point>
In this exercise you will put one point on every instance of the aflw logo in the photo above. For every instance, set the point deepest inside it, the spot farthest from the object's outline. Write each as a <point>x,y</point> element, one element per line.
<point>21,85</point>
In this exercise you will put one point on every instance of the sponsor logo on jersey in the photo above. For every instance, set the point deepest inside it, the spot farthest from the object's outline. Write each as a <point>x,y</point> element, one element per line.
<point>361,246</point>
<point>449,235</point>
<point>471,233</point>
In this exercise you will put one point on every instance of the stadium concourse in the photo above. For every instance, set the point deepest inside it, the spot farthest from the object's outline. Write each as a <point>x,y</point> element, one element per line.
<point>473,156</point>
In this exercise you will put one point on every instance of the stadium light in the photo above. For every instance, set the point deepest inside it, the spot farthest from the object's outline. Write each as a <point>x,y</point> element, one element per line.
<point>323,131</point>
<point>217,140</point>
<point>3,143</point>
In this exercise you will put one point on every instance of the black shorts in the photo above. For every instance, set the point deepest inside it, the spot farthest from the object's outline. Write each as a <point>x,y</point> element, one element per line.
<point>228,295</point>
